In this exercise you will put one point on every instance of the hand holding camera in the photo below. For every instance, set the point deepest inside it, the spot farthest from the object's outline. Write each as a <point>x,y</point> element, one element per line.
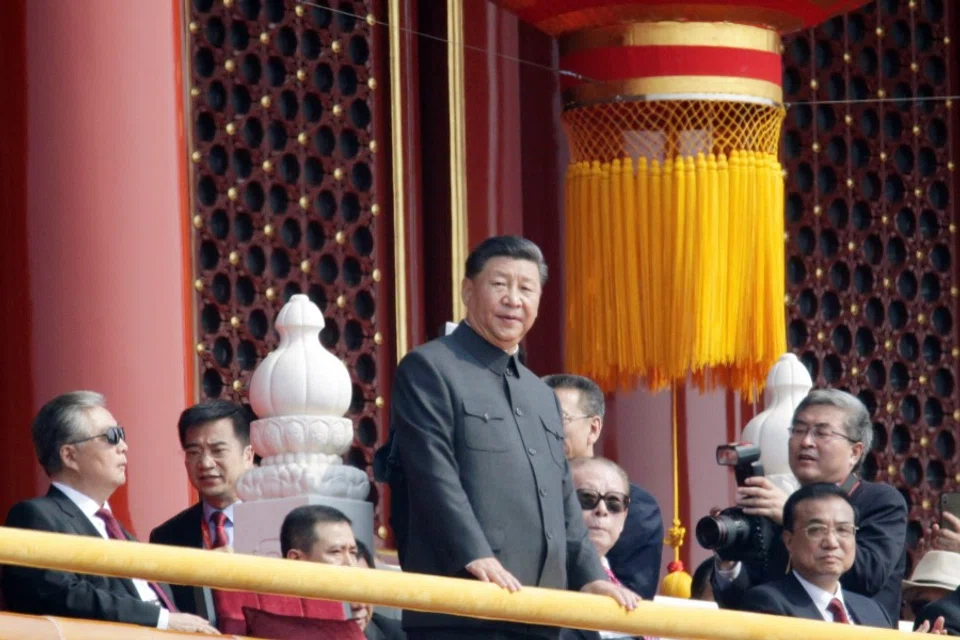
<point>760,497</point>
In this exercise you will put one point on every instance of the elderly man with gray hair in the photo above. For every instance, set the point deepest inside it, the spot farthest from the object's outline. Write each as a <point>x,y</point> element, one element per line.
<point>830,435</point>
<point>84,452</point>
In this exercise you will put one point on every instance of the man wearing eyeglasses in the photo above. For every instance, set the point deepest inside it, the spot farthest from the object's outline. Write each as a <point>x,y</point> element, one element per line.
<point>83,450</point>
<point>830,436</point>
<point>820,534</point>
<point>636,558</point>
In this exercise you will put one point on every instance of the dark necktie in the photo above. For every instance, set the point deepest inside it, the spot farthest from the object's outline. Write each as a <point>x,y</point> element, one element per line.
<point>839,613</point>
<point>115,532</point>
<point>220,539</point>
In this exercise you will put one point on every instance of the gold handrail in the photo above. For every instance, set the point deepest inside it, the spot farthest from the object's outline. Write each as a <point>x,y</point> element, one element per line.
<point>531,605</point>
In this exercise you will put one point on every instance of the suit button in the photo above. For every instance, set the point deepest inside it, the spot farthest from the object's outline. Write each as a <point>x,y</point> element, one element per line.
<point>519,411</point>
<point>543,493</point>
<point>549,536</point>
<point>486,417</point>
<point>532,451</point>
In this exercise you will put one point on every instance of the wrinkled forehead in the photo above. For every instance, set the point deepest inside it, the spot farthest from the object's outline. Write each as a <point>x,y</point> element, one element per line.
<point>827,415</point>
<point>829,510</point>
<point>519,268</point>
<point>334,534</point>
<point>598,476</point>
<point>96,420</point>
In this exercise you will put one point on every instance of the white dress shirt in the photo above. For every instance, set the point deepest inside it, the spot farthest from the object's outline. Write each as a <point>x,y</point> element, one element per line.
<point>89,507</point>
<point>822,598</point>
<point>208,512</point>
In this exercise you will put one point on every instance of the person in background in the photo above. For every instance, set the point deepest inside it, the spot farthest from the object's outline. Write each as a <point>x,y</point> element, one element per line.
<point>84,452</point>
<point>701,588</point>
<point>636,558</point>
<point>380,627</point>
<point>215,436</point>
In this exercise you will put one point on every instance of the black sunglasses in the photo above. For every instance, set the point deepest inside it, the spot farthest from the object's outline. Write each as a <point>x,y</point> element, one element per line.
<point>112,435</point>
<point>616,502</point>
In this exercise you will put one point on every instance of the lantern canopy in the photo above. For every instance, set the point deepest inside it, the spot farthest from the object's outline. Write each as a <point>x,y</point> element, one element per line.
<point>674,194</point>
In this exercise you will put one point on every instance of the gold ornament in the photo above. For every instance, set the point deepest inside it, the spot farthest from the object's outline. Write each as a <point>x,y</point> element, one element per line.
<point>305,266</point>
<point>848,120</point>
<point>888,345</point>
<point>231,128</point>
<point>337,110</point>
<point>234,258</point>
<point>814,84</point>
<point>922,380</point>
<point>200,347</point>
<point>377,338</point>
<point>373,146</point>
<point>817,209</point>
<point>302,138</point>
<point>852,246</point>
<point>267,166</point>
<point>956,414</point>
<point>855,371</point>
<point>950,166</point>
<point>854,309</point>
<point>299,10</point>
<point>890,407</point>
<point>382,532</point>
<point>955,352</point>
<point>818,273</point>
<point>924,441</point>
<point>850,183</point>
<point>230,65</point>
<point>925,503</point>
<point>341,301</point>
<point>379,402</point>
<point>268,230</point>
<point>194,91</point>
<point>919,255</point>
<point>232,193</point>
<point>237,385</point>
<point>198,284</point>
<point>914,67</point>
<point>918,192</point>
<point>921,318</point>
<point>339,237</point>
<point>301,75</point>
<point>376,275</point>
<point>372,83</point>
<point>946,40</point>
<point>952,228</point>
<point>338,174</point>
<point>265,38</point>
<point>270,293</point>
<point>883,156</point>
<point>194,27</point>
<point>821,336</point>
<point>886,283</point>
<point>881,93</point>
<point>335,46</point>
<point>304,202</point>
<point>234,321</point>
<point>371,20</point>
<point>954,292</point>
<point>891,471</point>
<point>847,57</point>
<point>916,130</point>
<point>884,219</point>
<point>879,32</point>
<point>265,102</point>
<point>375,210</point>
<point>198,222</point>
<point>227,3</point>
<point>816,147</point>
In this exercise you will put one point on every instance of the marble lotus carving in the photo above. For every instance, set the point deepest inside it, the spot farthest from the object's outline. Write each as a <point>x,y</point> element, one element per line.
<point>301,392</point>
<point>788,383</point>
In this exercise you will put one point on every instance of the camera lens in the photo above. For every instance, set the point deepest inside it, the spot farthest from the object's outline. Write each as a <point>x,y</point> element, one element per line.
<point>711,532</point>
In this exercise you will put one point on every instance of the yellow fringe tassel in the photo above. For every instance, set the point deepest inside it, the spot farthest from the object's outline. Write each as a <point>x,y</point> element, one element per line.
<point>676,268</point>
<point>677,583</point>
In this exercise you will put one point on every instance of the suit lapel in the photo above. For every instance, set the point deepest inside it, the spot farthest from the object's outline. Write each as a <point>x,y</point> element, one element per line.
<point>796,593</point>
<point>191,531</point>
<point>83,526</point>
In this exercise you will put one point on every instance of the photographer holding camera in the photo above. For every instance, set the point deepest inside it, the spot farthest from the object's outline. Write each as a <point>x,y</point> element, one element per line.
<point>830,435</point>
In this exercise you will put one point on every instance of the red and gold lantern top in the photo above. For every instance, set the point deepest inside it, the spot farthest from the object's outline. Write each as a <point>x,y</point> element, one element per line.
<point>558,17</point>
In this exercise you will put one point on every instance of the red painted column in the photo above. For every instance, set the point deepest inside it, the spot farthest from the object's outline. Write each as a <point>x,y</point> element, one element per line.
<point>105,229</point>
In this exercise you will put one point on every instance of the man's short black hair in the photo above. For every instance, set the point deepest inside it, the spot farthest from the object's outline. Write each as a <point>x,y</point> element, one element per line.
<point>299,529</point>
<point>211,411</point>
<point>364,553</point>
<point>591,396</point>
<point>505,247</point>
<point>701,579</point>
<point>815,491</point>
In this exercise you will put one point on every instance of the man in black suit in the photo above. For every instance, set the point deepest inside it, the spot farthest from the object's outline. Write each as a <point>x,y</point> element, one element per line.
<point>946,609</point>
<point>830,435</point>
<point>215,437</point>
<point>83,450</point>
<point>636,557</point>
<point>819,533</point>
<point>477,455</point>
<point>380,626</point>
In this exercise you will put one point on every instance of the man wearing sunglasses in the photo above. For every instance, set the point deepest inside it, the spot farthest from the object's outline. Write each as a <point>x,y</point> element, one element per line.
<point>83,450</point>
<point>635,559</point>
<point>830,436</point>
<point>820,534</point>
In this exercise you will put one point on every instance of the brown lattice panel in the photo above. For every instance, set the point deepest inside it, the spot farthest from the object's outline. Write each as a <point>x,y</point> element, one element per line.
<point>871,275</point>
<point>284,195</point>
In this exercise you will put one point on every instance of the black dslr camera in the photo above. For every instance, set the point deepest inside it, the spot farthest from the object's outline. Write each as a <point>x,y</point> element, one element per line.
<point>732,534</point>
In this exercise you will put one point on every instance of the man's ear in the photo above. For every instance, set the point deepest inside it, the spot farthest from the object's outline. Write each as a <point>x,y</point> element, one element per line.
<point>595,427</point>
<point>787,539</point>
<point>68,457</point>
<point>295,554</point>
<point>857,453</point>
<point>466,291</point>
<point>248,457</point>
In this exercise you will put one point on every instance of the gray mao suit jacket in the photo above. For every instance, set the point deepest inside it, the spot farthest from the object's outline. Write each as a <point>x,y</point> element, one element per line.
<point>479,441</point>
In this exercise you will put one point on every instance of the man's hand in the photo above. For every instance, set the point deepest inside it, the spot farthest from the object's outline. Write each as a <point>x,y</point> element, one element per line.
<point>937,628</point>
<point>760,497</point>
<point>947,539</point>
<point>490,570</point>
<point>624,597</point>
<point>361,614</point>
<point>223,549</point>
<point>190,623</point>
<point>720,563</point>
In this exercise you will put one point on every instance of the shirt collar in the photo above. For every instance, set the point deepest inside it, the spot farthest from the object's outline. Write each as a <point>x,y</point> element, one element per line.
<point>490,356</point>
<point>208,511</point>
<point>87,505</point>
<point>820,597</point>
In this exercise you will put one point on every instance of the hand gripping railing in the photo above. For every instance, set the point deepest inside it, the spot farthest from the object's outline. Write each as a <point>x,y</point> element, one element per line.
<point>81,554</point>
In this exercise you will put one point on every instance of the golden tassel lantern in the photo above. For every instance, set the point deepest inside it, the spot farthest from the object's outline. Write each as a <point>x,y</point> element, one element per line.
<point>674,194</point>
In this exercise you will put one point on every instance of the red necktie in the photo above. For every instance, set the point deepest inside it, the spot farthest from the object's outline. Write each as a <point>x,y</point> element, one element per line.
<point>839,613</point>
<point>612,577</point>
<point>115,532</point>
<point>219,519</point>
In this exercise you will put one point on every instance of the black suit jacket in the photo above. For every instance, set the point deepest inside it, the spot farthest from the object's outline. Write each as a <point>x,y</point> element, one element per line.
<point>881,553</point>
<point>381,627</point>
<point>480,444</point>
<point>183,530</point>
<point>635,559</point>
<point>787,597</point>
<point>58,593</point>
<point>948,607</point>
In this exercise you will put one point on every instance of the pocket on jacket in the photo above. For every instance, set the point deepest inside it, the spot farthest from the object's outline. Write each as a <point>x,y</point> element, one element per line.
<point>484,427</point>
<point>554,441</point>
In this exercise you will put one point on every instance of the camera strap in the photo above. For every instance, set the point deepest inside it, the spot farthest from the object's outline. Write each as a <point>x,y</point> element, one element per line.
<point>850,484</point>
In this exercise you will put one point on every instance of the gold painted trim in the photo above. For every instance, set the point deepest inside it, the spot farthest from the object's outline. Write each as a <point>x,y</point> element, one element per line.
<point>458,154</point>
<point>690,34</point>
<point>188,109</point>
<point>667,87</point>
<point>399,193</point>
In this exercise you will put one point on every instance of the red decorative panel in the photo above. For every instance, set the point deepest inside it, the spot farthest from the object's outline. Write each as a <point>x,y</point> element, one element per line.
<point>285,112</point>
<point>871,192</point>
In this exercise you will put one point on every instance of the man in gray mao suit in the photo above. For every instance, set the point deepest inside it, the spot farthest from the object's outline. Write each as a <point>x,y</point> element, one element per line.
<point>478,442</point>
